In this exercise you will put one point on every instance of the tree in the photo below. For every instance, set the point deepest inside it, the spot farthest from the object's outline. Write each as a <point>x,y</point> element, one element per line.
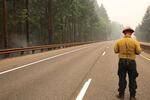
<point>5,31</point>
<point>41,22</point>
<point>27,22</point>
<point>143,30</point>
<point>50,20</point>
<point>15,18</point>
<point>1,25</point>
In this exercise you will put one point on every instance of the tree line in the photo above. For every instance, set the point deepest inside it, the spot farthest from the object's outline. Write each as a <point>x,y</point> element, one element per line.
<point>40,22</point>
<point>142,31</point>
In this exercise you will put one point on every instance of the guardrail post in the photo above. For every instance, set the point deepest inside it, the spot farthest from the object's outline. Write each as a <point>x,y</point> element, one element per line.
<point>33,51</point>
<point>49,49</point>
<point>22,53</point>
<point>42,50</point>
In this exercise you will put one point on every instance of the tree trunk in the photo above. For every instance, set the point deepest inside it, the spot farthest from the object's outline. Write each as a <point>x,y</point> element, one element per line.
<point>74,27</point>
<point>5,27</point>
<point>70,31</point>
<point>50,21</point>
<point>14,6</point>
<point>27,23</point>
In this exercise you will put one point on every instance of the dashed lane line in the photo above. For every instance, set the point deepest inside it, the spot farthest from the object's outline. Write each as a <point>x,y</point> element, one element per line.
<point>104,53</point>
<point>83,90</point>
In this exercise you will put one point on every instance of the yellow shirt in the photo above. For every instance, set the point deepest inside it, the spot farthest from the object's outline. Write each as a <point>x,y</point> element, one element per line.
<point>127,48</point>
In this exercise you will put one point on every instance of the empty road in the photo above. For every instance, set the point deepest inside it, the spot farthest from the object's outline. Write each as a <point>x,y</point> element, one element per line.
<point>87,72</point>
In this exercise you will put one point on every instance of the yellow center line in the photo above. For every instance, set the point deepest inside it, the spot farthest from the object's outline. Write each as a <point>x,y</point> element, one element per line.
<point>145,57</point>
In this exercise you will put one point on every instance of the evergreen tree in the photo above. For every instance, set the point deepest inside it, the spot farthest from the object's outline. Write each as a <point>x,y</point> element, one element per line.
<point>143,30</point>
<point>41,22</point>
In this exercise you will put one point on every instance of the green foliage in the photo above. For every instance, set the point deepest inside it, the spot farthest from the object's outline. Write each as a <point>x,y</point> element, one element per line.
<point>71,21</point>
<point>22,15</point>
<point>143,30</point>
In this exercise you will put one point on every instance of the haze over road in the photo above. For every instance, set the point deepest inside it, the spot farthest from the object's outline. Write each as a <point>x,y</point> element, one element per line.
<point>62,74</point>
<point>123,11</point>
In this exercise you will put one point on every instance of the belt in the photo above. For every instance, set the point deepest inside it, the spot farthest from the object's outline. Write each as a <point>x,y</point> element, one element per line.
<point>123,59</point>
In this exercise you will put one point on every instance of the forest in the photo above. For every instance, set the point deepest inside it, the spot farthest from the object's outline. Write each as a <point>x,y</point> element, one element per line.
<point>143,30</point>
<point>26,23</point>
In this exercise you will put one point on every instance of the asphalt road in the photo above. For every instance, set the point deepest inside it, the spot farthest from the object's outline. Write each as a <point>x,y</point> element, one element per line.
<point>87,72</point>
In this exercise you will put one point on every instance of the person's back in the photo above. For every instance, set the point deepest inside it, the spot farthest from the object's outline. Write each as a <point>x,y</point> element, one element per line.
<point>127,49</point>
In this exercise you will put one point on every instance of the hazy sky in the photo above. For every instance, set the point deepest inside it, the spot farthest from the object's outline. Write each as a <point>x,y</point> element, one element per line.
<point>126,12</point>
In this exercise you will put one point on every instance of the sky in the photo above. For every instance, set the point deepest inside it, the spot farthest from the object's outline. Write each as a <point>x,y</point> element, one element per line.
<point>126,12</point>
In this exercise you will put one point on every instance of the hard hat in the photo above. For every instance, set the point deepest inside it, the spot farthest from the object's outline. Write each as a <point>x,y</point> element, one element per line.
<point>128,29</point>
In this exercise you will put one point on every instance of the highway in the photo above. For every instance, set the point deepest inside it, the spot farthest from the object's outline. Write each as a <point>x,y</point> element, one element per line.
<point>85,72</point>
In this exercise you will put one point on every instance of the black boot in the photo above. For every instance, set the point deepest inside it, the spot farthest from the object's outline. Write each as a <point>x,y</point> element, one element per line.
<point>132,98</point>
<point>120,96</point>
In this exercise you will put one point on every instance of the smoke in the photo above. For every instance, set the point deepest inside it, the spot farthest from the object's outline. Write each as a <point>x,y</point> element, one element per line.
<point>134,37</point>
<point>18,40</point>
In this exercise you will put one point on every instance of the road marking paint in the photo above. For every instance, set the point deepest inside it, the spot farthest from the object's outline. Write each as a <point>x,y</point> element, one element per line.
<point>83,90</point>
<point>145,57</point>
<point>104,53</point>
<point>10,70</point>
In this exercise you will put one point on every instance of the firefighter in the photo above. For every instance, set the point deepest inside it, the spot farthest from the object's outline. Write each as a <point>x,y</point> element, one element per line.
<point>127,48</point>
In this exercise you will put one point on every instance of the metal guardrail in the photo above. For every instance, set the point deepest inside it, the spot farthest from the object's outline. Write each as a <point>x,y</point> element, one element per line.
<point>7,52</point>
<point>21,51</point>
<point>146,47</point>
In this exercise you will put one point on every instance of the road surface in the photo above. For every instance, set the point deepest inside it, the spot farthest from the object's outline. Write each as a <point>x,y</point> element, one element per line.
<point>87,72</point>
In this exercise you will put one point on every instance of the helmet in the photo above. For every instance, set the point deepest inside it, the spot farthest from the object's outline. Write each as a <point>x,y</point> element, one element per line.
<point>128,29</point>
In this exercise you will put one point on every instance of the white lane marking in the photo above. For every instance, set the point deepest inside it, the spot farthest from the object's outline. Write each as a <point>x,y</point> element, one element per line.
<point>10,70</point>
<point>104,53</point>
<point>145,57</point>
<point>84,89</point>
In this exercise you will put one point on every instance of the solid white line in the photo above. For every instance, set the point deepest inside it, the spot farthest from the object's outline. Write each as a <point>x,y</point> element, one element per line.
<point>41,61</point>
<point>84,89</point>
<point>104,53</point>
<point>145,57</point>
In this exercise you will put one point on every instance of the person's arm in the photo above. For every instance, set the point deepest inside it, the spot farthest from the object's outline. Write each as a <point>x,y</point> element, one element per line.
<point>138,49</point>
<point>116,48</point>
